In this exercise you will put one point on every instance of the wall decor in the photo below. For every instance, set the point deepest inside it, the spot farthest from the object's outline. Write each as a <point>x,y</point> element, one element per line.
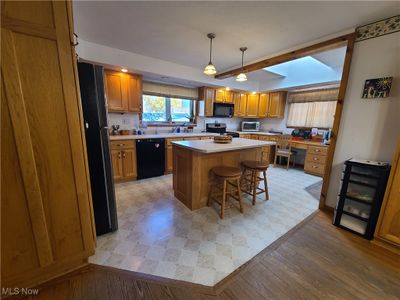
<point>379,28</point>
<point>377,88</point>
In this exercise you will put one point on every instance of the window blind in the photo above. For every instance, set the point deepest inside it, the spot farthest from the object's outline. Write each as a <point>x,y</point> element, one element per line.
<point>314,96</point>
<point>169,91</point>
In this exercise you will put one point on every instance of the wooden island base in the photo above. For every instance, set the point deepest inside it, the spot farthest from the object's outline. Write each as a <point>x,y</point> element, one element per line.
<point>191,172</point>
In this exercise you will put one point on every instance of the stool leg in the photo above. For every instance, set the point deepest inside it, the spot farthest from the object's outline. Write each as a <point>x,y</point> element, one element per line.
<point>210,194</point>
<point>254,182</point>
<point>223,199</point>
<point>265,186</point>
<point>275,160</point>
<point>239,196</point>
<point>287,164</point>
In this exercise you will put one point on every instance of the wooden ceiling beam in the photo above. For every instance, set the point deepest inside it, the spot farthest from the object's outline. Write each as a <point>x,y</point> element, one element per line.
<point>309,50</point>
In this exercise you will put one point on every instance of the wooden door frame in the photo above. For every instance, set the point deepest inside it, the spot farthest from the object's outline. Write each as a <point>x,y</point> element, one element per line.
<point>341,41</point>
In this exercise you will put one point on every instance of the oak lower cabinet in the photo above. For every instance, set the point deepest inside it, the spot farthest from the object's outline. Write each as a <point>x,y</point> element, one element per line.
<point>388,229</point>
<point>315,160</point>
<point>123,156</point>
<point>47,224</point>
<point>123,91</point>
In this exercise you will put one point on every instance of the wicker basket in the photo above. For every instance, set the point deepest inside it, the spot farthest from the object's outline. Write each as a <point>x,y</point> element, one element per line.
<point>223,139</point>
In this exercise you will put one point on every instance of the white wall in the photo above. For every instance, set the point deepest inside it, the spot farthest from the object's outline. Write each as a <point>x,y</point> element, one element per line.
<point>369,128</point>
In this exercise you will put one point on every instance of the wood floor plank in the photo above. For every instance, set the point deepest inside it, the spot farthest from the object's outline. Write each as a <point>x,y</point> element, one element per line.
<point>316,261</point>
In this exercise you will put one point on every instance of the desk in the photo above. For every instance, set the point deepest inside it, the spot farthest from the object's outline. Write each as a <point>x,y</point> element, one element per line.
<point>316,152</point>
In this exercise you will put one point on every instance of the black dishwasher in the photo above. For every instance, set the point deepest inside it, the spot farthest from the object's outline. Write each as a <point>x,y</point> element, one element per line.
<point>150,156</point>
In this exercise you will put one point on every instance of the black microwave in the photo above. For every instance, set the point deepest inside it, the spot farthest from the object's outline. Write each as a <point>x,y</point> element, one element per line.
<point>223,110</point>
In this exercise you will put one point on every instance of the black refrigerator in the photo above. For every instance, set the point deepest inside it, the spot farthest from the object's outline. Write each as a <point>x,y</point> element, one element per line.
<point>94,106</point>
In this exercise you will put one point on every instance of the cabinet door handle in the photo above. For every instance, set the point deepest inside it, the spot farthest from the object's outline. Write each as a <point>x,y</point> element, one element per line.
<point>123,154</point>
<point>315,167</point>
<point>119,155</point>
<point>315,158</point>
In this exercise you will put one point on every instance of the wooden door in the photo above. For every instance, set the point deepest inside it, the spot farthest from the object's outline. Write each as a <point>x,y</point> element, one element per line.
<point>220,95</point>
<point>117,85</point>
<point>236,103</point>
<point>134,93</point>
<point>277,102</point>
<point>252,105</point>
<point>47,221</point>
<point>116,159</point>
<point>389,220</point>
<point>129,163</point>
<point>243,105</point>
<point>209,102</point>
<point>263,105</point>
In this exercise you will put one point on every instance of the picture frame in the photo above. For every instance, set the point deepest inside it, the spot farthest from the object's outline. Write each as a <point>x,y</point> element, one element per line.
<point>377,88</point>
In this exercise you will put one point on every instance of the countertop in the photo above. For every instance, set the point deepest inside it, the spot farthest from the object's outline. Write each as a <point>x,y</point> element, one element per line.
<point>160,135</point>
<point>208,146</point>
<point>257,132</point>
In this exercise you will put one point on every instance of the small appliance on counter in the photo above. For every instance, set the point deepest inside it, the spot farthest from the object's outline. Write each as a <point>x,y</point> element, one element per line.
<point>115,130</point>
<point>250,126</point>
<point>359,202</point>
<point>221,129</point>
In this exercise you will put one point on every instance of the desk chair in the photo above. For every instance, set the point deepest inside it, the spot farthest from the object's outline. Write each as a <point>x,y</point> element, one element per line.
<point>284,149</point>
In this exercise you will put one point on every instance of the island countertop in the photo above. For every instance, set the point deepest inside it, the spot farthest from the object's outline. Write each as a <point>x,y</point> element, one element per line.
<point>208,146</point>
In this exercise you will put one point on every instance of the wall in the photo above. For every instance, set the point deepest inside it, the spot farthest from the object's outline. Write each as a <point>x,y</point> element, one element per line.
<point>369,128</point>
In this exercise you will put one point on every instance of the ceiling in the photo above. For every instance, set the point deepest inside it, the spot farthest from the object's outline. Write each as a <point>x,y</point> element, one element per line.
<point>176,31</point>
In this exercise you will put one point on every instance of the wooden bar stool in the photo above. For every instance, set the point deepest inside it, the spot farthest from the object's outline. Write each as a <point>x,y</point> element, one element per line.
<point>250,178</point>
<point>225,177</point>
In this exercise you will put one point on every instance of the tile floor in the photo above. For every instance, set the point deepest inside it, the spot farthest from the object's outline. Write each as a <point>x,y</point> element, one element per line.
<point>158,235</point>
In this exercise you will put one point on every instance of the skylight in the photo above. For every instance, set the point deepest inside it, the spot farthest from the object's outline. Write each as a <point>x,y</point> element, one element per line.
<point>306,63</point>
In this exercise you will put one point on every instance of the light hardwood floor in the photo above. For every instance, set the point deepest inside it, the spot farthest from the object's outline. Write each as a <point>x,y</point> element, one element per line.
<point>315,260</point>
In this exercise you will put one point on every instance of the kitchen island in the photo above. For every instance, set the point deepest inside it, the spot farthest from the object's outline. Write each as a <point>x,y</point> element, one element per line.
<point>193,161</point>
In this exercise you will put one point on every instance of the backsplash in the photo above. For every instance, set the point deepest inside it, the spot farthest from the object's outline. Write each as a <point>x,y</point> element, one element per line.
<point>131,121</point>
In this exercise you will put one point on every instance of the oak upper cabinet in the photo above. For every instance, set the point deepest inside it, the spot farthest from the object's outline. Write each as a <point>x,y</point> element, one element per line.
<point>135,93</point>
<point>47,224</point>
<point>124,91</point>
<point>236,103</point>
<point>388,229</point>
<point>123,155</point>
<point>243,105</point>
<point>224,96</point>
<point>207,95</point>
<point>263,106</point>
<point>252,105</point>
<point>117,91</point>
<point>277,103</point>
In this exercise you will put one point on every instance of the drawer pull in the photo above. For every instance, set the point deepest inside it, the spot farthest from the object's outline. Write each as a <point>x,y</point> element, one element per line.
<point>121,145</point>
<point>315,167</point>
<point>317,150</point>
<point>315,158</point>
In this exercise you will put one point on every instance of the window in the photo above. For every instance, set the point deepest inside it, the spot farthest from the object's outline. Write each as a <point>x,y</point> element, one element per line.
<point>166,109</point>
<point>311,114</point>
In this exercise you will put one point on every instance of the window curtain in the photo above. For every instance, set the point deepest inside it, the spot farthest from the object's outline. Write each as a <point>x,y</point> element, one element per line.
<point>312,108</point>
<point>311,114</point>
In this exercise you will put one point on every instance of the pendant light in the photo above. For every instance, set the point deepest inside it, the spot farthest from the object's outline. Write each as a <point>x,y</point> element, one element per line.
<point>242,77</point>
<point>210,68</point>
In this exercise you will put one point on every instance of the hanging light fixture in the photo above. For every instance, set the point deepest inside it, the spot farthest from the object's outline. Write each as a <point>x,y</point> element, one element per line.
<point>242,76</point>
<point>210,68</point>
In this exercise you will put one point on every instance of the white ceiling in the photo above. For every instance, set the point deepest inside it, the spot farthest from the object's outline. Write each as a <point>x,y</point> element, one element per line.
<point>176,31</point>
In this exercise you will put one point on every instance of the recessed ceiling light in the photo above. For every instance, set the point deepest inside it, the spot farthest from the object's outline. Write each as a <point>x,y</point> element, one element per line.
<point>228,88</point>
<point>124,70</point>
<point>254,93</point>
